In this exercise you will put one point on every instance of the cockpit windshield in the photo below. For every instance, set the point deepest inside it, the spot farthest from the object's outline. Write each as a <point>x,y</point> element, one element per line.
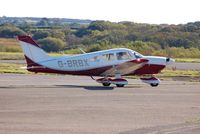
<point>137,55</point>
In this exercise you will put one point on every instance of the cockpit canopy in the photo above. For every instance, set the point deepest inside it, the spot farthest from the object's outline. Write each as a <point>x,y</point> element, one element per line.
<point>117,54</point>
<point>135,54</point>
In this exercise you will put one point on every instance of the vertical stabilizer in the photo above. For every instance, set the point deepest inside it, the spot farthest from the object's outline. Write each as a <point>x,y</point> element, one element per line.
<point>32,51</point>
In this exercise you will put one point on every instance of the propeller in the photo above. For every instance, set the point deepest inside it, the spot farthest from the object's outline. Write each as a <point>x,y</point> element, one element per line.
<point>169,60</point>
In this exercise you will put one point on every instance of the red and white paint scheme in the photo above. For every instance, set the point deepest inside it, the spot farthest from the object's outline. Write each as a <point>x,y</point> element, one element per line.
<point>107,64</point>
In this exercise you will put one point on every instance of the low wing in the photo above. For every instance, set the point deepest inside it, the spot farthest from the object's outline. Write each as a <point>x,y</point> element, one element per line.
<point>126,67</point>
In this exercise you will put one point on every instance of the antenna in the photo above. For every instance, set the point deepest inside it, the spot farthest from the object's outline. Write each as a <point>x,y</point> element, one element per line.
<point>72,47</point>
<point>82,50</point>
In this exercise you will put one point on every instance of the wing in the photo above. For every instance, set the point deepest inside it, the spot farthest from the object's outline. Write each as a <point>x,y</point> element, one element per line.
<point>126,67</point>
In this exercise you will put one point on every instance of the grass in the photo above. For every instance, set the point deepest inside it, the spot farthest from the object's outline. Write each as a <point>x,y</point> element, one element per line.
<point>194,121</point>
<point>12,68</point>
<point>9,42</point>
<point>9,45</point>
<point>11,50</point>
<point>191,75</point>
<point>187,60</point>
<point>179,73</point>
<point>16,68</point>
<point>20,56</point>
<point>11,56</point>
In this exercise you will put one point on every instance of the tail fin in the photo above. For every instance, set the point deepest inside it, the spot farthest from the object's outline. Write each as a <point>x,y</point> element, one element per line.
<point>32,52</point>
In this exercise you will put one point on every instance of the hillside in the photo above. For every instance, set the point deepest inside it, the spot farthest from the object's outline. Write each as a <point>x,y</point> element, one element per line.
<point>34,20</point>
<point>166,40</point>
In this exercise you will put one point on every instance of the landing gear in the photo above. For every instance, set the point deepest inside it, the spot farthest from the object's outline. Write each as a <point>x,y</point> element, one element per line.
<point>106,84</point>
<point>154,84</point>
<point>120,85</point>
<point>153,81</point>
<point>118,81</point>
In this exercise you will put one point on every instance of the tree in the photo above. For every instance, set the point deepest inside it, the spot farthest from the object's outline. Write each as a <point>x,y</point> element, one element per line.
<point>40,35</point>
<point>10,31</point>
<point>57,33</point>
<point>50,44</point>
<point>43,22</point>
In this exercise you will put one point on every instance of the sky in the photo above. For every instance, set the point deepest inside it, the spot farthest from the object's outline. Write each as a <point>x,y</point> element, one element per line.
<point>139,11</point>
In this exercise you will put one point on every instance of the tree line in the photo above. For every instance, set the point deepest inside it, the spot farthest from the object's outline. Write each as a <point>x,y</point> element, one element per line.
<point>146,38</point>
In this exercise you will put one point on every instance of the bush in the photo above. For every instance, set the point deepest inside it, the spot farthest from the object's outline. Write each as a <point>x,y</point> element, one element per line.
<point>10,31</point>
<point>179,52</point>
<point>40,35</point>
<point>50,44</point>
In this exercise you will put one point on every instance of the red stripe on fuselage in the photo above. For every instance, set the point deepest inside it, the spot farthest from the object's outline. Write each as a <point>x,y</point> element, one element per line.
<point>90,72</point>
<point>146,69</point>
<point>149,69</point>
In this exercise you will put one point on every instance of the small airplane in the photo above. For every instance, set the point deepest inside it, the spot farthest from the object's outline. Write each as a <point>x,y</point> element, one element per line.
<point>110,63</point>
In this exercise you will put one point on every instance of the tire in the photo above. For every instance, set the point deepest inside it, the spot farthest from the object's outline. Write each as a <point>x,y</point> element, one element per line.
<point>120,85</point>
<point>106,84</point>
<point>154,84</point>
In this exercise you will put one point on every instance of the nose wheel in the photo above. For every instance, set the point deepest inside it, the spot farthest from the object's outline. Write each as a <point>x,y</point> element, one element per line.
<point>153,81</point>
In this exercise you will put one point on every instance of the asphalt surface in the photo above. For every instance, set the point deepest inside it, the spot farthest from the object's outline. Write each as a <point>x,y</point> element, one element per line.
<point>53,104</point>
<point>185,66</point>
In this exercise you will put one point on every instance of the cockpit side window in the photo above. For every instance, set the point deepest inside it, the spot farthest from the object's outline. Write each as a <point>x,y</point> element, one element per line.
<point>95,59</point>
<point>108,57</point>
<point>123,56</point>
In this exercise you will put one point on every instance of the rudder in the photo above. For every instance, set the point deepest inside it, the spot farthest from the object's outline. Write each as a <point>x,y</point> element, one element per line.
<point>32,51</point>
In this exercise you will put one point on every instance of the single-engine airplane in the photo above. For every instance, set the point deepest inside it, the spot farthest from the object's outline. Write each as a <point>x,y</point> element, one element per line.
<point>107,64</point>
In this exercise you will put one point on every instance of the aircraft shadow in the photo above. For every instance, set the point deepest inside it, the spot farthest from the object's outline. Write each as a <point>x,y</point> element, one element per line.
<point>97,87</point>
<point>74,86</point>
<point>87,87</point>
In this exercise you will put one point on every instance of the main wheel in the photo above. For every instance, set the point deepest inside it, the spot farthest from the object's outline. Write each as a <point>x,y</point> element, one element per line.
<point>106,84</point>
<point>120,85</point>
<point>154,84</point>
